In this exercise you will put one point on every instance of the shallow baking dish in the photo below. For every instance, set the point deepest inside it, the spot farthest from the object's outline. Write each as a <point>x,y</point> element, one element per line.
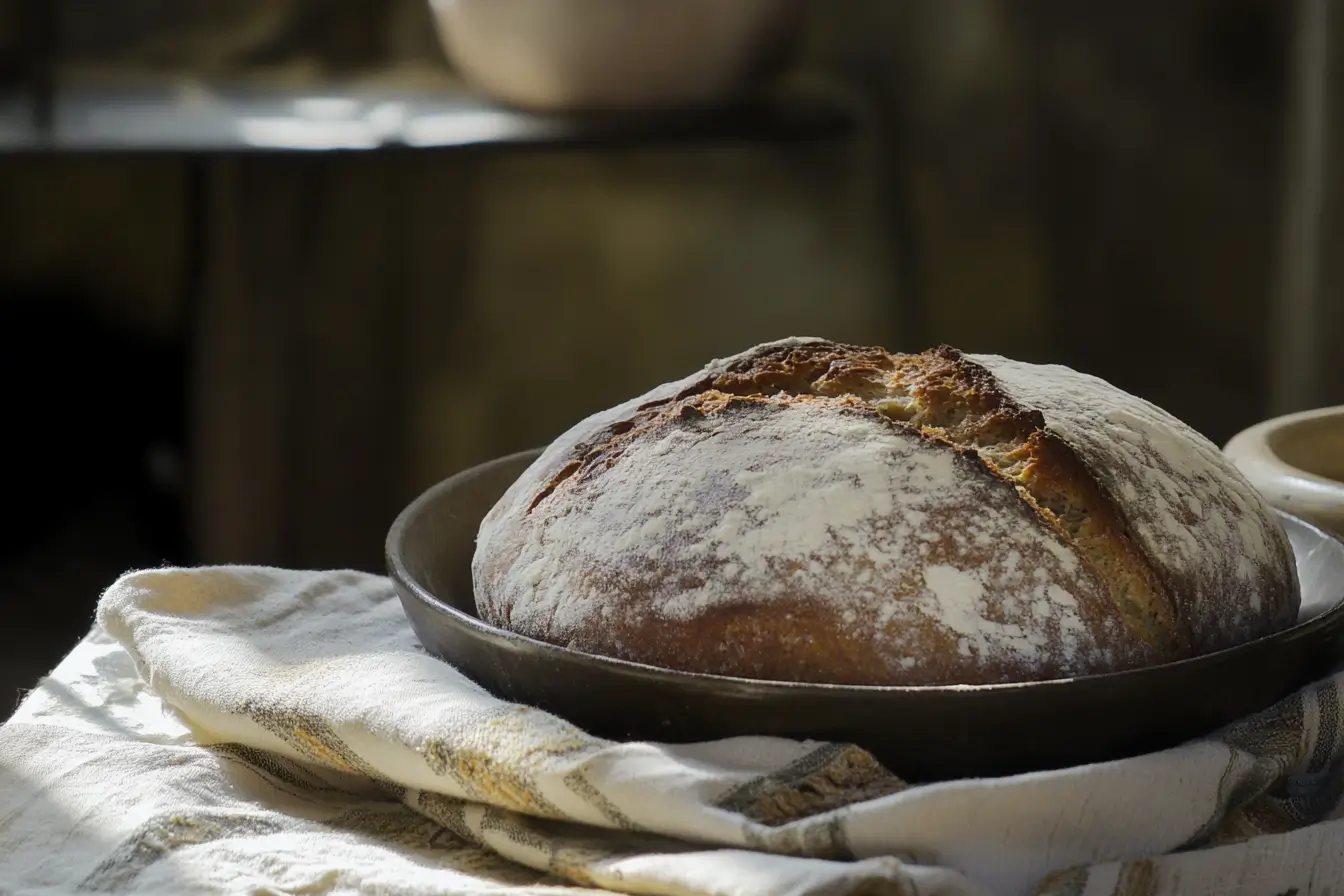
<point>920,733</point>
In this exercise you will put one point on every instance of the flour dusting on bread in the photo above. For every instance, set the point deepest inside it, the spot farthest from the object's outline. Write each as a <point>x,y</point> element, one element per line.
<point>811,511</point>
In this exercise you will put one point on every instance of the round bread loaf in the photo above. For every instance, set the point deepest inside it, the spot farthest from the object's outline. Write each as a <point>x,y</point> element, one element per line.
<point>817,512</point>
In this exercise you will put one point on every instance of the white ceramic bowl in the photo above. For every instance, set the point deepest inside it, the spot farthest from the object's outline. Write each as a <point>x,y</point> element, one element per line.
<point>1297,462</point>
<point>603,54</point>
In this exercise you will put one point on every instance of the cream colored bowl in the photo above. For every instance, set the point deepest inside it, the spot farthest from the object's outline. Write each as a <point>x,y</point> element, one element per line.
<point>605,54</point>
<point>1297,462</point>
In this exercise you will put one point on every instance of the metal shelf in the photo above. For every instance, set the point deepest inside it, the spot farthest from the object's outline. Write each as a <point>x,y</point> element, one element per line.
<point>202,119</point>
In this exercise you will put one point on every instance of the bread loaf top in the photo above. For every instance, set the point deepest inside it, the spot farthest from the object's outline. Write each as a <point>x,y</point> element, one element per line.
<point>812,511</point>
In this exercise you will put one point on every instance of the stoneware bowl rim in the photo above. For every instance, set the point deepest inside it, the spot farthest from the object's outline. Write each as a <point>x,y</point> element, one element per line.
<point>1270,455</point>
<point>1272,432</point>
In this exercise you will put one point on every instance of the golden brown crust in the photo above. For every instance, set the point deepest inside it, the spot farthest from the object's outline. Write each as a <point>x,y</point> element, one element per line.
<point>1018,490</point>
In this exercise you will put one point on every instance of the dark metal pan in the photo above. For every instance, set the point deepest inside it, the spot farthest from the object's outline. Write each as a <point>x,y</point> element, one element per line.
<point>920,733</point>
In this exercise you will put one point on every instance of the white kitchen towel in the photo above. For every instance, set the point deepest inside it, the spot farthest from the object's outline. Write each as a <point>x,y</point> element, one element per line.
<point>254,730</point>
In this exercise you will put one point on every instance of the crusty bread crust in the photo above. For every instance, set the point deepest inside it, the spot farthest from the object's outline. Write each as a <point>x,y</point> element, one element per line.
<point>812,511</point>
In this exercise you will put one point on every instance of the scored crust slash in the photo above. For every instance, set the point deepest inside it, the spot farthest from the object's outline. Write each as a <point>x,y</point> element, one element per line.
<point>819,512</point>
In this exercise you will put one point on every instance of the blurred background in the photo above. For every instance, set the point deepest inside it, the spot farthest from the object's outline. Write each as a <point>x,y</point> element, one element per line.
<point>268,268</point>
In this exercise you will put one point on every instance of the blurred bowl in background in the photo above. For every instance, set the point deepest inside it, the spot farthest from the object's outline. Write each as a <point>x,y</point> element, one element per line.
<point>1297,461</point>
<point>588,55</point>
